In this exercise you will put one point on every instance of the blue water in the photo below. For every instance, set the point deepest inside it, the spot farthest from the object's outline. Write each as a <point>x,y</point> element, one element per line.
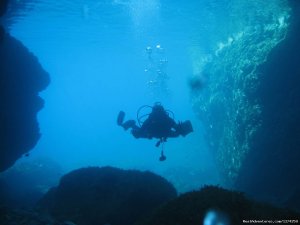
<point>95,53</point>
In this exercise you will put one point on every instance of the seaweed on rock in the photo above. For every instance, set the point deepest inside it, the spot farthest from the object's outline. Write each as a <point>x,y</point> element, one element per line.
<point>228,105</point>
<point>191,208</point>
<point>106,195</point>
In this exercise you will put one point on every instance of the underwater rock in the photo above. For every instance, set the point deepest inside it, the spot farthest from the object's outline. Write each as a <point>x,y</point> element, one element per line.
<point>250,105</point>
<point>3,7</point>
<point>106,196</point>
<point>21,80</point>
<point>228,104</point>
<point>230,206</point>
<point>275,151</point>
<point>2,33</point>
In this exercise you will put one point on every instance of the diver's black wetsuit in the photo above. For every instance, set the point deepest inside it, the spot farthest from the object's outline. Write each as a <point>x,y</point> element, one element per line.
<point>158,125</point>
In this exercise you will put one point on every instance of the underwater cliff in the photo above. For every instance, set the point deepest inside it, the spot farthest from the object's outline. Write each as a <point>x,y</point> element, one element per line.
<point>250,103</point>
<point>271,169</point>
<point>3,7</point>
<point>21,80</point>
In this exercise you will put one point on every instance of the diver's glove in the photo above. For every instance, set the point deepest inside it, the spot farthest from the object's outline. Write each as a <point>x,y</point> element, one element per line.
<point>128,124</point>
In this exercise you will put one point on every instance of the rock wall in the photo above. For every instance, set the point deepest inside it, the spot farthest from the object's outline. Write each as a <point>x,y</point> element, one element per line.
<point>3,6</point>
<point>228,103</point>
<point>21,80</point>
<point>271,171</point>
<point>250,104</point>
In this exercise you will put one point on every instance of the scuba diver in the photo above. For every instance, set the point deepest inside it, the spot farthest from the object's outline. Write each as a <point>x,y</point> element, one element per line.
<point>158,124</point>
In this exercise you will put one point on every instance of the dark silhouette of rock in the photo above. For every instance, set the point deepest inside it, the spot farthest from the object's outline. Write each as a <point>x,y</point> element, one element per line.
<point>271,171</point>
<point>2,33</point>
<point>250,107</point>
<point>3,6</point>
<point>21,80</point>
<point>106,195</point>
<point>191,208</point>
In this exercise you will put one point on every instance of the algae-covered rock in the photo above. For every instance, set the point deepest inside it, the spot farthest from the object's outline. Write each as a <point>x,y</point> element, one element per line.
<point>250,104</point>
<point>106,196</point>
<point>191,209</point>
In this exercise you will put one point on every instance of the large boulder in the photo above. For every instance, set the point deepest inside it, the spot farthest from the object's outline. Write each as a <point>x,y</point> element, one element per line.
<point>21,80</point>
<point>107,195</point>
<point>231,207</point>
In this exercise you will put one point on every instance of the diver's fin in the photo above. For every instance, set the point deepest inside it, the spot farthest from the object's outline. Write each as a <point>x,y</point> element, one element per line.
<point>157,143</point>
<point>121,117</point>
<point>186,128</point>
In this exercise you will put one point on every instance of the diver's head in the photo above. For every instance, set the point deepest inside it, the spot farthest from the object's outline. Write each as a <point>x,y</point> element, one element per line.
<point>158,108</point>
